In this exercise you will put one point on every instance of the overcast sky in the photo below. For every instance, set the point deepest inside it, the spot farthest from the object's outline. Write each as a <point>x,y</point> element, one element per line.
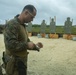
<point>45,9</point>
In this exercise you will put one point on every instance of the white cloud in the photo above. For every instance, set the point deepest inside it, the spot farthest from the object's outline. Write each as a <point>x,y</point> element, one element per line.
<point>45,9</point>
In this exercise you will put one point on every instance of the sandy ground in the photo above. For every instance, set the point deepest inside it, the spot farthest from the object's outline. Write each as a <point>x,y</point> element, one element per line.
<point>57,57</point>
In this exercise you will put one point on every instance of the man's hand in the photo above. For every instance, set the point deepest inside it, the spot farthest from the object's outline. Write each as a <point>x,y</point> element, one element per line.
<point>40,45</point>
<point>31,45</point>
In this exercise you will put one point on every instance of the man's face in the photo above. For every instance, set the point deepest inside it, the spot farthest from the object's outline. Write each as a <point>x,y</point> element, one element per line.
<point>28,17</point>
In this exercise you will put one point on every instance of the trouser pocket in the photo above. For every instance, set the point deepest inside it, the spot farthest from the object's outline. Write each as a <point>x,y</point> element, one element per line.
<point>10,66</point>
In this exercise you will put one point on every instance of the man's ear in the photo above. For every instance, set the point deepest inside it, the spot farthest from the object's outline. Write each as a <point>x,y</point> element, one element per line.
<point>26,12</point>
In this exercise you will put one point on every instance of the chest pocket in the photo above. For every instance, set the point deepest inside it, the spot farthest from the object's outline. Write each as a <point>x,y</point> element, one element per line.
<point>23,36</point>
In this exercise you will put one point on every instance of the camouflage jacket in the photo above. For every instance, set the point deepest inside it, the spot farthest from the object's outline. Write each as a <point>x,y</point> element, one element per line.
<point>15,38</point>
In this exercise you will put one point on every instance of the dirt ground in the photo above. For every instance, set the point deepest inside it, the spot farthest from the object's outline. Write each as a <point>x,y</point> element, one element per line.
<point>57,57</point>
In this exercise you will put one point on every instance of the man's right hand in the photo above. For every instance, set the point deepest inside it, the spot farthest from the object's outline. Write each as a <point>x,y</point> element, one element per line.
<point>31,45</point>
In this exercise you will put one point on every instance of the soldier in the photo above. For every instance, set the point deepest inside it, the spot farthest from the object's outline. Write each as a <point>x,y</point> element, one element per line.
<point>17,42</point>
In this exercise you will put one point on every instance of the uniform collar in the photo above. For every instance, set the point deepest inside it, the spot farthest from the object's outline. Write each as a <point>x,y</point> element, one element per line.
<point>16,17</point>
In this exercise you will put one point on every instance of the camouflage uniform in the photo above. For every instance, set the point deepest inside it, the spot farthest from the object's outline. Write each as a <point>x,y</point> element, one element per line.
<point>15,39</point>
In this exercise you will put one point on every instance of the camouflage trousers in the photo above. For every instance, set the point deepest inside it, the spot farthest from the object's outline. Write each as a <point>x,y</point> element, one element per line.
<point>1,70</point>
<point>16,66</point>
